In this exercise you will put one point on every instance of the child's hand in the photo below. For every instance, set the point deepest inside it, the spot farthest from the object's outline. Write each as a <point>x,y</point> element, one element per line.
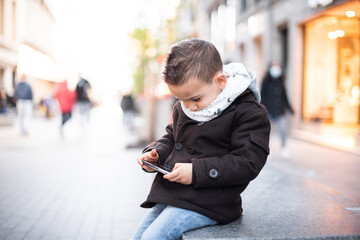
<point>151,157</point>
<point>182,173</point>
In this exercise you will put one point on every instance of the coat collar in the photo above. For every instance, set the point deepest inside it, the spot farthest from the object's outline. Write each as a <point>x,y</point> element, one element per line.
<point>246,96</point>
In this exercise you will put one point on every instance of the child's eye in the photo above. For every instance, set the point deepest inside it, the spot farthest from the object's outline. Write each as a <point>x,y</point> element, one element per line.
<point>196,99</point>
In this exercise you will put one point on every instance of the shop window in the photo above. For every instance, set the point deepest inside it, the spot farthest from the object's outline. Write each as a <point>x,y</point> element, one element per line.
<point>331,70</point>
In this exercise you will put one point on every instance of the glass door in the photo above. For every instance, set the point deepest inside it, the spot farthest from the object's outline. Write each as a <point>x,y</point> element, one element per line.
<point>331,70</point>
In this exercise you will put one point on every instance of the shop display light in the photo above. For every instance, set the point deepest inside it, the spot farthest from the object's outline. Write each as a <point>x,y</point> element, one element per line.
<point>350,13</point>
<point>355,92</point>
<point>332,35</point>
<point>336,34</point>
<point>340,33</point>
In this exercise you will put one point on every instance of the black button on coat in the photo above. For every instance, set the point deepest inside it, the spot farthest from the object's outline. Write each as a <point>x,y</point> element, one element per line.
<point>230,151</point>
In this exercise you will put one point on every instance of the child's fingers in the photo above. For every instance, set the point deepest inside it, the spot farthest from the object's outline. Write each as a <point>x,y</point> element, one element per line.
<point>148,168</point>
<point>139,160</point>
<point>153,153</point>
<point>182,173</point>
<point>173,176</point>
<point>177,165</point>
<point>151,156</point>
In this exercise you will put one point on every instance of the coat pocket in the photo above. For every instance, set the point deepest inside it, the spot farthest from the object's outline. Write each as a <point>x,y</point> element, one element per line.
<point>259,141</point>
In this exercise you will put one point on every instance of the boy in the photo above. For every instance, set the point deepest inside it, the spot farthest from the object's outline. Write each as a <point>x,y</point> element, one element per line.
<point>218,142</point>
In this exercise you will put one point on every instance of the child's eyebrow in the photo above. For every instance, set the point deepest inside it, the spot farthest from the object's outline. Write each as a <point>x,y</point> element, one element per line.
<point>192,98</point>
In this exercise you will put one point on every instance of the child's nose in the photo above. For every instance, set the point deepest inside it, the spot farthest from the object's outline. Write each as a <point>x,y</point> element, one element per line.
<point>192,106</point>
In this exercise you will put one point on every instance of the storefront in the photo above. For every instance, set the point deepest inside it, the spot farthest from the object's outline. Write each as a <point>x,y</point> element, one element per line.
<point>331,74</point>
<point>318,43</point>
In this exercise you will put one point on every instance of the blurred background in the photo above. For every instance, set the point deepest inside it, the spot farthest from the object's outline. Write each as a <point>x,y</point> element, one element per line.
<point>120,50</point>
<point>48,165</point>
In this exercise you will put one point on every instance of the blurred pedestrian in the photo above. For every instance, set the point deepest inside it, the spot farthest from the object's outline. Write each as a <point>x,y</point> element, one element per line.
<point>274,97</point>
<point>47,101</point>
<point>66,99</point>
<point>83,93</point>
<point>128,107</point>
<point>24,98</point>
<point>45,105</point>
<point>3,101</point>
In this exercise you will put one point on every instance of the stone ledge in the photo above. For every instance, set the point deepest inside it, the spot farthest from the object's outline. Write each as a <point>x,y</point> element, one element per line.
<point>278,205</point>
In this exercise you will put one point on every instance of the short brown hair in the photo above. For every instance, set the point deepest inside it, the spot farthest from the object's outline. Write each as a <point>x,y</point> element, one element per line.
<point>192,58</point>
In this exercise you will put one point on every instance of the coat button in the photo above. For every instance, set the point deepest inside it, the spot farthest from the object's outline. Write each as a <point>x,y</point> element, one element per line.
<point>178,146</point>
<point>179,122</point>
<point>213,173</point>
<point>191,149</point>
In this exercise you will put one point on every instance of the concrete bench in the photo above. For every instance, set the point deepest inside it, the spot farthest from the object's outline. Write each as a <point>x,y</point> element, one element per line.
<point>278,205</point>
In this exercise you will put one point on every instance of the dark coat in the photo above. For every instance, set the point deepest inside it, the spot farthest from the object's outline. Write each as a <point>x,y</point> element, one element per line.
<point>127,103</point>
<point>226,152</point>
<point>23,91</point>
<point>274,96</point>
<point>82,89</point>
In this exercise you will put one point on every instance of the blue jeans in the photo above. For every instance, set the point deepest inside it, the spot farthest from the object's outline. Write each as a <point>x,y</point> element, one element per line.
<point>168,222</point>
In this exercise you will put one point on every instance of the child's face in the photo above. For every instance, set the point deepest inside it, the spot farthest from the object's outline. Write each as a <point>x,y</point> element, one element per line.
<point>196,94</point>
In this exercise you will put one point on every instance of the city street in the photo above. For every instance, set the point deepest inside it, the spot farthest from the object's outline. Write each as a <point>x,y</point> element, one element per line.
<point>85,186</point>
<point>82,181</point>
<point>89,186</point>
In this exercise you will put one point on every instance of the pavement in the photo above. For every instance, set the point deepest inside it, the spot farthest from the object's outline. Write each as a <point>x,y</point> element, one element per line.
<point>313,193</point>
<point>84,186</point>
<point>281,204</point>
<point>88,185</point>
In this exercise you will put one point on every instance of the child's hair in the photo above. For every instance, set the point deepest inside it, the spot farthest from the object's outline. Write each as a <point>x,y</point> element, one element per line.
<point>192,59</point>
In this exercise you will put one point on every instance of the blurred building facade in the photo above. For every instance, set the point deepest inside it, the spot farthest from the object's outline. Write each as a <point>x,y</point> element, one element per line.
<point>8,43</point>
<point>26,45</point>
<point>317,41</point>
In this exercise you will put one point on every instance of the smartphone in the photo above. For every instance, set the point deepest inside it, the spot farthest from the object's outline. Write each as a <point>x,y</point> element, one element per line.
<point>162,168</point>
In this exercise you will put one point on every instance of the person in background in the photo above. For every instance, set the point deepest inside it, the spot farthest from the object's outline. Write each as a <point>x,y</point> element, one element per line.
<point>3,101</point>
<point>128,106</point>
<point>45,106</point>
<point>66,99</point>
<point>47,101</point>
<point>275,99</point>
<point>24,98</point>
<point>83,93</point>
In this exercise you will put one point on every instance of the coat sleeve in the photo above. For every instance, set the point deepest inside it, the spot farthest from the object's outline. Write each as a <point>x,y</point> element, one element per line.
<point>164,145</point>
<point>264,91</point>
<point>248,154</point>
<point>286,101</point>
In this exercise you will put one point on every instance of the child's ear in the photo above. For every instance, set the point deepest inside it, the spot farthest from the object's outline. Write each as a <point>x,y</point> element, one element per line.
<point>221,80</point>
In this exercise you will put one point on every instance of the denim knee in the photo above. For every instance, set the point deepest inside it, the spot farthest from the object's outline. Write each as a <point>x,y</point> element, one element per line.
<point>151,234</point>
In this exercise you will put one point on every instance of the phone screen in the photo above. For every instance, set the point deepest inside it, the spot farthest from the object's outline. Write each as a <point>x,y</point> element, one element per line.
<point>164,169</point>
